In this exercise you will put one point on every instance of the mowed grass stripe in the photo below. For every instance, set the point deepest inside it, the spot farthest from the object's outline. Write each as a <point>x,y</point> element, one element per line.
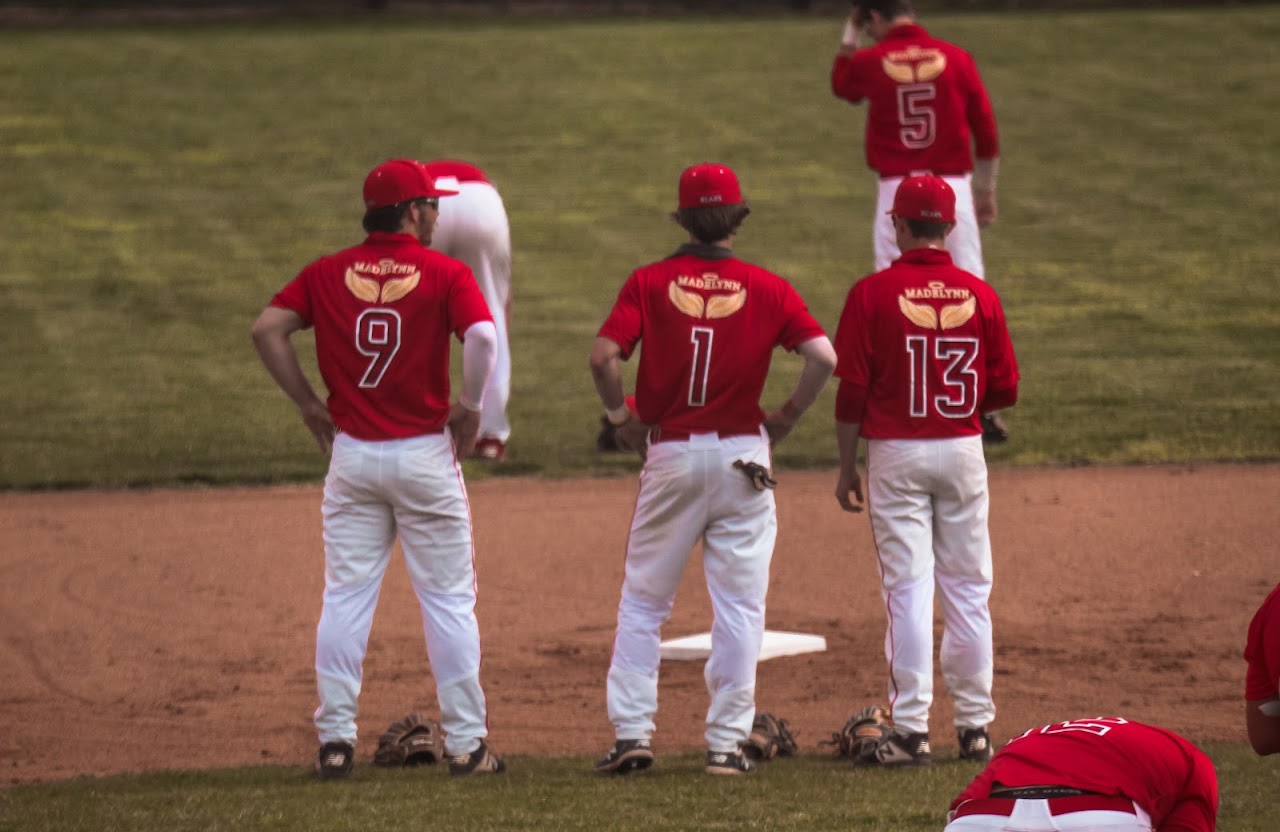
<point>162,182</point>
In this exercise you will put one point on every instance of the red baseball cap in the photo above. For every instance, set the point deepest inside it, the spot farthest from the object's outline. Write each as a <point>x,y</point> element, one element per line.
<point>927,198</point>
<point>399,180</point>
<point>708,185</point>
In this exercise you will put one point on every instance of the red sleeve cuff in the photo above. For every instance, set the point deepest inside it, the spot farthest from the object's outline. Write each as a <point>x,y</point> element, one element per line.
<point>851,402</point>
<point>999,399</point>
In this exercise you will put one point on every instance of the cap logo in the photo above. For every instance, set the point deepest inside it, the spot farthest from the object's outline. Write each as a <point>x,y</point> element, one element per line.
<point>711,198</point>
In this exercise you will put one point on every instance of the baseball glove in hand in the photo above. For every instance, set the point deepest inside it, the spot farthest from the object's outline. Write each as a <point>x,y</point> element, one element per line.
<point>412,741</point>
<point>770,737</point>
<point>861,734</point>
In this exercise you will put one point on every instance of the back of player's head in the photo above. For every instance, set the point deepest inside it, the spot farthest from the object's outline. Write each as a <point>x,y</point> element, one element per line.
<point>888,9</point>
<point>708,185</point>
<point>391,187</point>
<point>400,180</point>
<point>928,198</point>
<point>711,202</point>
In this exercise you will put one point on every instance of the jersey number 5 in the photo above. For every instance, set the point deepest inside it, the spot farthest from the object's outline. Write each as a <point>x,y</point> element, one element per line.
<point>916,115</point>
<point>954,358</point>
<point>378,338</point>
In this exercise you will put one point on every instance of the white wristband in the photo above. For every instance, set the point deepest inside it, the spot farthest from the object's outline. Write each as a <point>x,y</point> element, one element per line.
<point>474,408</point>
<point>618,417</point>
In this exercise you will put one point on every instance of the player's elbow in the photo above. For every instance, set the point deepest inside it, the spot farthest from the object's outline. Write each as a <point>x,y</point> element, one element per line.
<point>1263,729</point>
<point>819,354</point>
<point>604,355</point>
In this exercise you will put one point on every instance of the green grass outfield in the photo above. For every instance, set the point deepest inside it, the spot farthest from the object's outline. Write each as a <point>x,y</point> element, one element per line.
<point>810,793</point>
<point>161,182</point>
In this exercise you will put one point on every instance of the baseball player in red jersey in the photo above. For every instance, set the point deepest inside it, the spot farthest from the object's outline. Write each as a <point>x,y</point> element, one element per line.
<point>1092,774</point>
<point>383,312</point>
<point>1262,682</point>
<point>710,323</point>
<point>923,348</point>
<point>473,227</point>
<point>927,112</point>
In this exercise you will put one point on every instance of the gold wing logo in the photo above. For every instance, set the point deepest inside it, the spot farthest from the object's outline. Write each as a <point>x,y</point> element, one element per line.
<point>398,287</point>
<point>365,288</point>
<point>921,314</point>
<point>722,306</point>
<point>368,290</point>
<point>957,314</point>
<point>690,303</point>
<point>716,306</point>
<point>914,64</point>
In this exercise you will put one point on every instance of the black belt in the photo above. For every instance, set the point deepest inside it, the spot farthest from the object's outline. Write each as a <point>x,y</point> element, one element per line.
<point>1037,792</point>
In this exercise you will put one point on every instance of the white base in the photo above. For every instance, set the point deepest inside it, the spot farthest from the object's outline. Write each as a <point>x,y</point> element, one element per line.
<point>776,643</point>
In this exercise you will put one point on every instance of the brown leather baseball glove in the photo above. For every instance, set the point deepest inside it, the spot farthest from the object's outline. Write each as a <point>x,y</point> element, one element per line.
<point>861,733</point>
<point>770,737</point>
<point>412,741</point>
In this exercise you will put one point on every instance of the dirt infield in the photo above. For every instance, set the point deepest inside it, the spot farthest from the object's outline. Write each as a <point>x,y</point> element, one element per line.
<point>183,621</point>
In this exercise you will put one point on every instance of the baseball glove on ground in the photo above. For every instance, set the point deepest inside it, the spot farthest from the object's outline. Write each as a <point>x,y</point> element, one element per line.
<point>412,741</point>
<point>770,737</point>
<point>861,733</point>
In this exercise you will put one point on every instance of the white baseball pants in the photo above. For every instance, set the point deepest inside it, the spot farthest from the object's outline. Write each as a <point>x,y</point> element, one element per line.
<point>473,227</point>
<point>928,504</point>
<point>374,490</point>
<point>1035,816</point>
<point>689,490</point>
<point>964,242</point>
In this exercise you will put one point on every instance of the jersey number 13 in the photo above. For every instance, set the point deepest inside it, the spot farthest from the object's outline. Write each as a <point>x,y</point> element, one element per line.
<point>953,360</point>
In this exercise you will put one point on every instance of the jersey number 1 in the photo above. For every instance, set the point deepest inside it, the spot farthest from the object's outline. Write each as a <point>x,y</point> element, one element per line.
<point>701,339</point>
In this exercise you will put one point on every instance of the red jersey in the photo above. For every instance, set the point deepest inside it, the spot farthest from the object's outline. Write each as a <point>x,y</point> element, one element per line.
<point>709,322</point>
<point>927,341</point>
<point>926,103</point>
<point>383,312</point>
<point>1262,650</point>
<point>1172,780</point>
<point>462,171</point>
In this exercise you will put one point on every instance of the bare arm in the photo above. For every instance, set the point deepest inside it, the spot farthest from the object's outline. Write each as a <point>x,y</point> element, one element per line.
<point>819,363</point>
<point>984,190</point>
<point>1262,721</point>
<point>272,333</point>
<point>848,481</point>
<point>606,373</point>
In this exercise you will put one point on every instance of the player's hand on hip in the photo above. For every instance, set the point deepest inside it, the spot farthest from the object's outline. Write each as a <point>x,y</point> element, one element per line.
<point>984,206</point>
<point>778,424</point>
<point>464,426</point>
<point>633,435</point>
<point>849,482</point>
<point>316,416</point>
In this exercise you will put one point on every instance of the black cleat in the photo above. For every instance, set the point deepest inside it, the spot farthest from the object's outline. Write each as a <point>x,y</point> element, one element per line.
<point>334,760</point>
<point>480,761</point>
<point>975,744</point>
<point>625,757</point>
